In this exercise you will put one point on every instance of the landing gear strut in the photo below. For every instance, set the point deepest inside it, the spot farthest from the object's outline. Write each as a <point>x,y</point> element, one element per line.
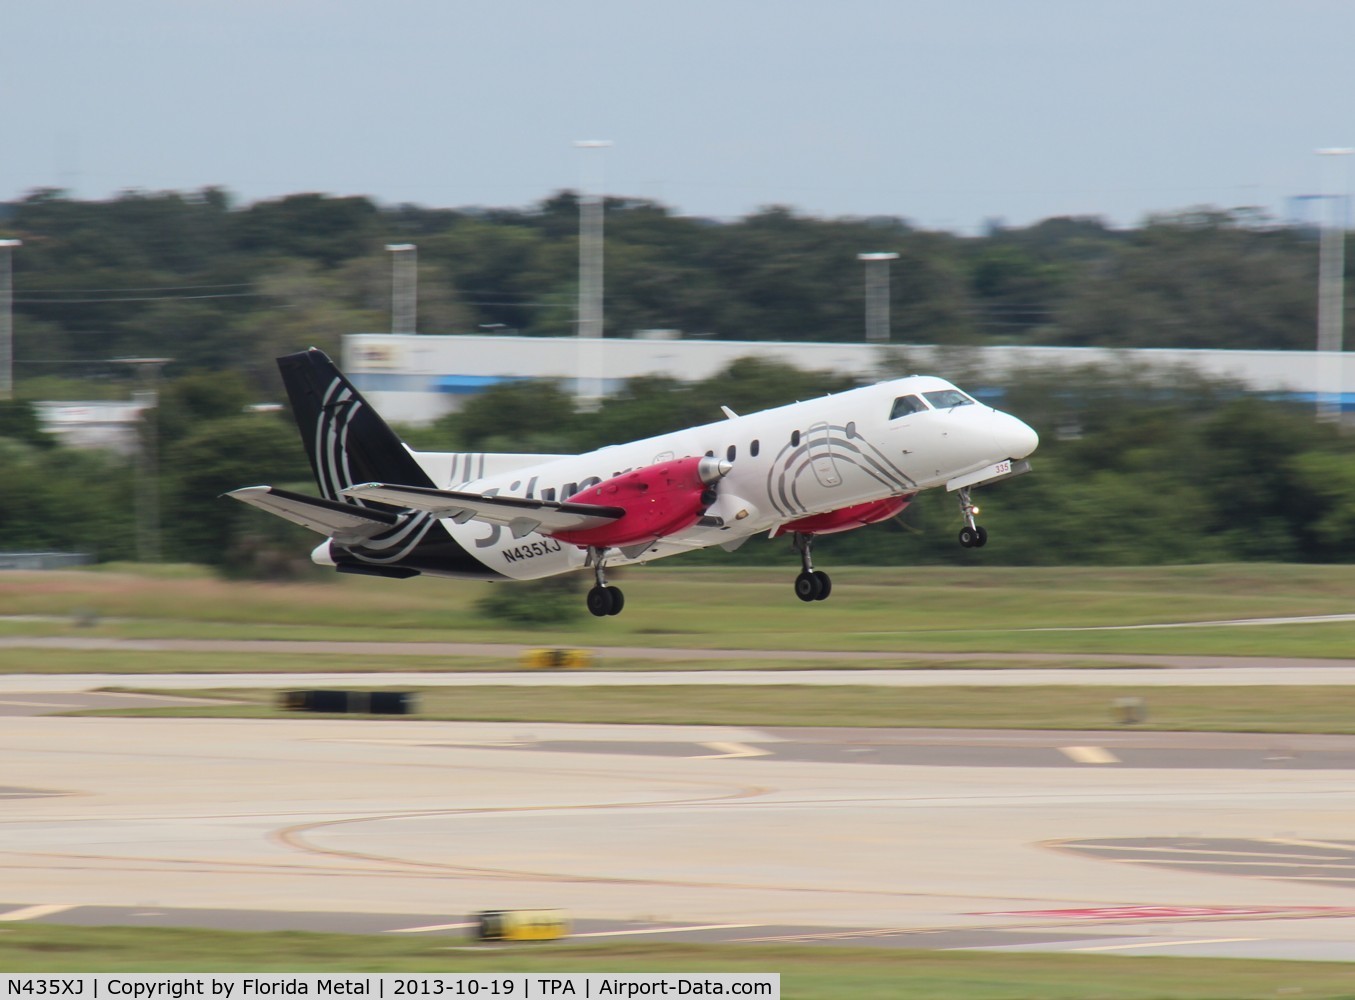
<point>812,584</point>
<point>602,599</point>
<point>971,535</point>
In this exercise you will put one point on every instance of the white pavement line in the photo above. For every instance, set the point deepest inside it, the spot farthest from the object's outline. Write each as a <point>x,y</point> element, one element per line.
<point>421,741</point>
<point>1181,671</point>
<point>1303,620</point>
<point>433,927</point>
<point>1342,864</point>
<point>1089,755</point>
<point>1161,944</point>
<point>417,741</point>
<point>665,930</point>
<point>42,910</point>
<point>731,750</point>
<point>1325,844</point>
<point>1218,852</point>
<point>38,704</point>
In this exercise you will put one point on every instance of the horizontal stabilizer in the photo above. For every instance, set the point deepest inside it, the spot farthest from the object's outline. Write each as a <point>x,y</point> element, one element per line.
<point>345,522</point>
<point>521,515</point>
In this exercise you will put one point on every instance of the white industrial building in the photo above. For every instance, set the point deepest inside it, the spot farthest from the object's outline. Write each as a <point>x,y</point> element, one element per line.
<point>98,423</point>
<point>416,378</point>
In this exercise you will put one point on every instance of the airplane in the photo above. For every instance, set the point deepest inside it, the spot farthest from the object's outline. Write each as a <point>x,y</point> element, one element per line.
<point>810,468</point>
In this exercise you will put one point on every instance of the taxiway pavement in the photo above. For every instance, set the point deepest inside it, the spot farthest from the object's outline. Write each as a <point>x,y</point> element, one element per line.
<point>1223,675</point>
<point>1159,844</point>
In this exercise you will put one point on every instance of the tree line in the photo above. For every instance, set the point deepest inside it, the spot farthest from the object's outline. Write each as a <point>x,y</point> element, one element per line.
<point>216,285</point>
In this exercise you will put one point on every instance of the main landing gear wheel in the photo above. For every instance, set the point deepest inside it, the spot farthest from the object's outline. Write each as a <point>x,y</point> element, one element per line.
<point>812,584</point>
<point>604,601</point>
<point>825,585</point>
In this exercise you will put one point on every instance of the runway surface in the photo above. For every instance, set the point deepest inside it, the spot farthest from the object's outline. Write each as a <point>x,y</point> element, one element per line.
<point>1153,843</point>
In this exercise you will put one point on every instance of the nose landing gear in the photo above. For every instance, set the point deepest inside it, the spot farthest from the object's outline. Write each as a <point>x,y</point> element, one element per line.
<point>971,535</point>
<point>602,599</point>
<point>812,584</point>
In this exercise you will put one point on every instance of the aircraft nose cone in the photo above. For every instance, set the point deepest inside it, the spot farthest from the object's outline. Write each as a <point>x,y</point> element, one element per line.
<point>1021,438</point>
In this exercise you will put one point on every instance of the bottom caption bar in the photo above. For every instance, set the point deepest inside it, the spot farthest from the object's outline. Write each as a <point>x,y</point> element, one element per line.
<point>514,985</point>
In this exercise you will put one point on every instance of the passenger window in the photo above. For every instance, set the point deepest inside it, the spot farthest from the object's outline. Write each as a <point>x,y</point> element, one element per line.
<point>795,439</point>
<point>851,428</point>
<point>944,399</point>
<point>710,454</point>
<point>905,405</point>
<point>753,448</point>
<point>730,452</point>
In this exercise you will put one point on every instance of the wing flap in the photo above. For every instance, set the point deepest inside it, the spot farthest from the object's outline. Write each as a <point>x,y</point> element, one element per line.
<point>343,521</point>
<point>521,515</point>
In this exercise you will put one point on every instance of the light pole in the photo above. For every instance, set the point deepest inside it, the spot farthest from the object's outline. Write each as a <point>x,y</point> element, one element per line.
<point>404,287</point>
<point>592,201</point>
<point>7,318</point>
<point>148,459</point>
<point>877,295</point>
<point>1331,290</point>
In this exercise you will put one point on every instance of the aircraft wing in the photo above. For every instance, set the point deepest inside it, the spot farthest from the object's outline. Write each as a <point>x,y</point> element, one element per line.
<point>343,521</point>
<point>522,516</point>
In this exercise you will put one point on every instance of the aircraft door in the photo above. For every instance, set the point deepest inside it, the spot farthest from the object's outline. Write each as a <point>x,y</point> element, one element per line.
<point>821,458</point>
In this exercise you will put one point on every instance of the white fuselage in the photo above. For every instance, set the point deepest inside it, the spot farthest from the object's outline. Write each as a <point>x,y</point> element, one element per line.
<point>787,463</point>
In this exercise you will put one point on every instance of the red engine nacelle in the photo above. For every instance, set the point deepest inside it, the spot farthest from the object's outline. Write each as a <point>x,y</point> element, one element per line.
<point>848,518</point>
<point>658,500</point>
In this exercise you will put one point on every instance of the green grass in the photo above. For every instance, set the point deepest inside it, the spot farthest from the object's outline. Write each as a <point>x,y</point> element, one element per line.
<point>1219,709</point>
<point>872,609</point>
<point>807,973</point>
<point>81,661</point>
<point>116,661</point>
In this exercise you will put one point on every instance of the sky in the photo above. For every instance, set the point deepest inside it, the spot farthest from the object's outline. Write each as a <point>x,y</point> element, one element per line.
<point>949,113</point>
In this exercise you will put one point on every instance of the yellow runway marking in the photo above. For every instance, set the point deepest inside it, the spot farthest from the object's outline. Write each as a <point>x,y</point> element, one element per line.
<point>1090,755</point>
<point>731,750</point>
<point>33,912</point>
<point>1160,944</point>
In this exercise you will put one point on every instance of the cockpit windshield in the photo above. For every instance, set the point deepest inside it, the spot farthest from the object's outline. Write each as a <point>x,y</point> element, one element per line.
<point>905,405</point>
<point>944,399</point>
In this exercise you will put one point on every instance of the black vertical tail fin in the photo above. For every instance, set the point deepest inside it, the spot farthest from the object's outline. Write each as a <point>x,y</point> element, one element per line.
<point>346,440</point>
